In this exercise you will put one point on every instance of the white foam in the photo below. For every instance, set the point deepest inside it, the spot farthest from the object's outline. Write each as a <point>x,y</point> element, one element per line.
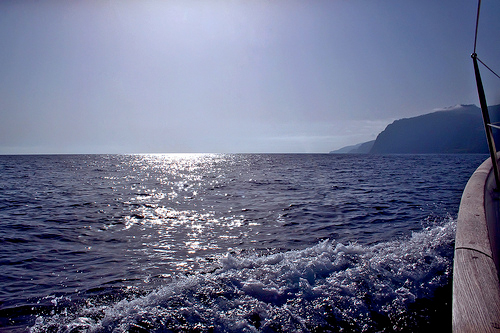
<point>329,285</point>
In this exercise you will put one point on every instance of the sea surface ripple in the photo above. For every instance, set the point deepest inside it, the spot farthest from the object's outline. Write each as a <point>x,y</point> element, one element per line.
<point>228,242</point>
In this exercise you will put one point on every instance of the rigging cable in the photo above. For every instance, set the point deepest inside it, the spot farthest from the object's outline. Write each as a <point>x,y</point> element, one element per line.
<point>498,76</point>
<point>477,24</point>
<point>474,54</point>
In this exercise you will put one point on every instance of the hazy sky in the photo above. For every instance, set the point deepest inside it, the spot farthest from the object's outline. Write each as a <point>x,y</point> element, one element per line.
<point>231,75</point>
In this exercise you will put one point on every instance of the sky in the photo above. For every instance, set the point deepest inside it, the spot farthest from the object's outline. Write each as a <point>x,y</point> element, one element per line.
<point>231,76</point>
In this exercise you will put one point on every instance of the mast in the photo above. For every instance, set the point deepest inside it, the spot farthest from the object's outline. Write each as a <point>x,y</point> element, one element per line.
<point>484,108</point>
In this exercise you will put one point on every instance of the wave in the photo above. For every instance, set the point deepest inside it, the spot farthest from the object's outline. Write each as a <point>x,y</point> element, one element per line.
<point>390,286</point>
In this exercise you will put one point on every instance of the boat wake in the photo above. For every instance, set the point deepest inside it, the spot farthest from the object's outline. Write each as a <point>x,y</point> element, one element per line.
<point>390,286</point>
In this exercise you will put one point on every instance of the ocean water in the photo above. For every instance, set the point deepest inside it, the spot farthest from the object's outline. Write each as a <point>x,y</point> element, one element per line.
<point>228,242</point>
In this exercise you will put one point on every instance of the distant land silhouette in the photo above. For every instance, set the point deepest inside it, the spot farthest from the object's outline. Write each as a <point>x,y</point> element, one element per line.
<point>453,130</point>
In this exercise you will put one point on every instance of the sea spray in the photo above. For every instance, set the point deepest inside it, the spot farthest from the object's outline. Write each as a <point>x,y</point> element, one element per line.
<point>327,287</point>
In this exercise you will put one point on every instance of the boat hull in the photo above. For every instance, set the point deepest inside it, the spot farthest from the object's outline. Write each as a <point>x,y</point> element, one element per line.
<point>476,288</point>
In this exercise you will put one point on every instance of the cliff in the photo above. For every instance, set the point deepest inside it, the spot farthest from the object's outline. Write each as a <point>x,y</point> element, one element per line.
<point>361,148</point>
<point>457,129</point>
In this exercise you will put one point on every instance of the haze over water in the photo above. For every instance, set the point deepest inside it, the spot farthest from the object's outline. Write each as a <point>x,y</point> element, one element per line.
<point>238,76</point>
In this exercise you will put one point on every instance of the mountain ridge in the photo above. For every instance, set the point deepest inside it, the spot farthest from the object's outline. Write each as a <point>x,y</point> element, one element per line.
<point>453,130</point>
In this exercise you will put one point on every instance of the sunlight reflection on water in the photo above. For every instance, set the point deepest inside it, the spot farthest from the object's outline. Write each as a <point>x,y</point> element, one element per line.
<point>168,182</point>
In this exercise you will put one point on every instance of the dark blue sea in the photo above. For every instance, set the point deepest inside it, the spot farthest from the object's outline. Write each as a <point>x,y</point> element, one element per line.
<point>228,243</point>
